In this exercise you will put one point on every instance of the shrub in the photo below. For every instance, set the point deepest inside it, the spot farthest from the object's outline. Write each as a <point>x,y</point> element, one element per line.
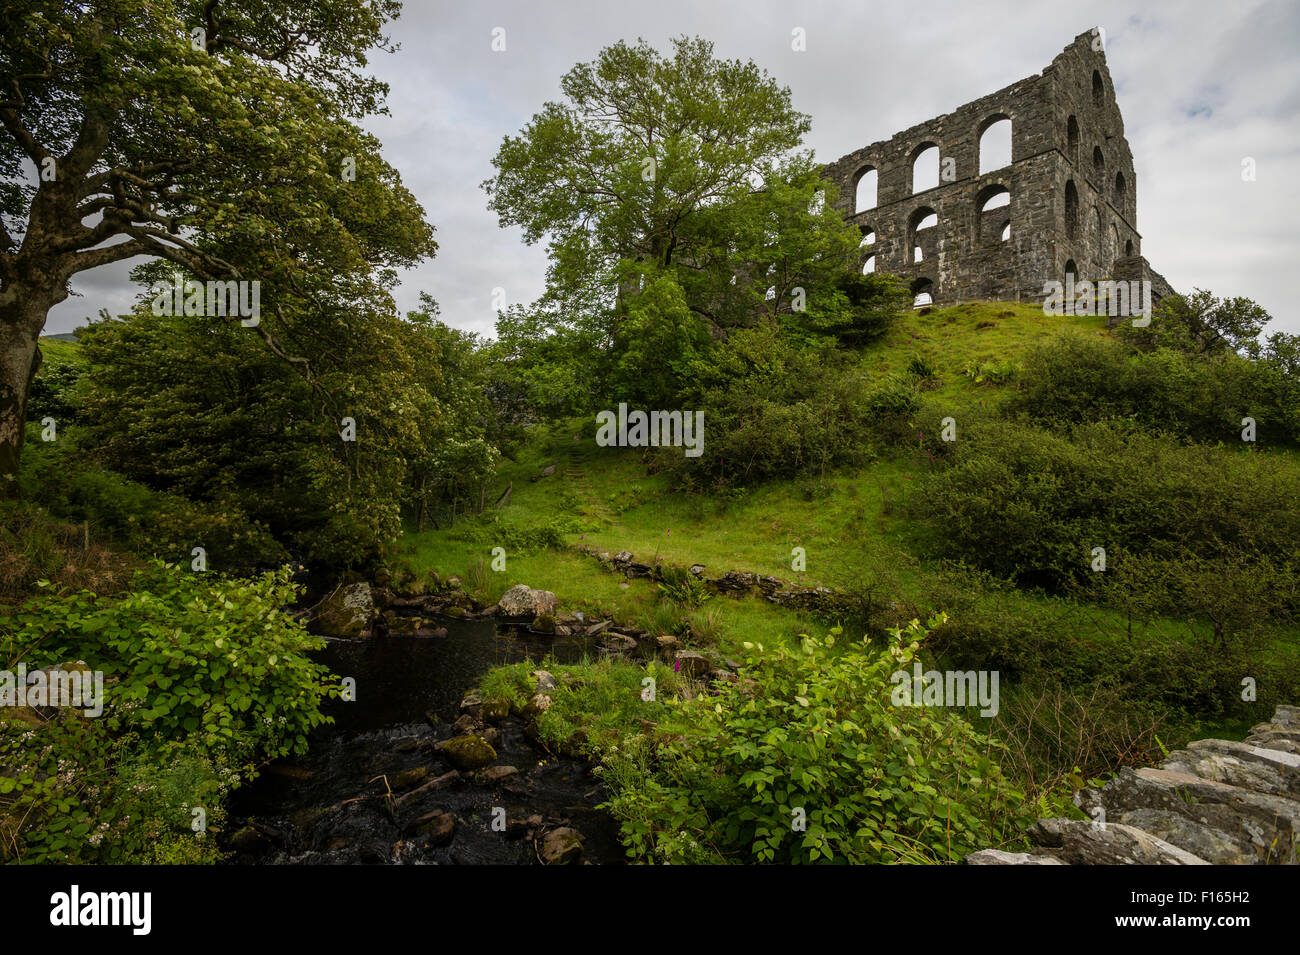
<point>813,731</point>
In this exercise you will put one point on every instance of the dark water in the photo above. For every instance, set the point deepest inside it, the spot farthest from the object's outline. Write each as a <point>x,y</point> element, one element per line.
<point>330,806</point>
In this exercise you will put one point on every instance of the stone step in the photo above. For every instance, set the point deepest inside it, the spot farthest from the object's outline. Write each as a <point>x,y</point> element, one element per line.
<point>1270,823</point>
<point>1213,845</point>
<point>1276,739</point>
<point>1279,768</point>
<point>1240,764</point>
<point>1287,715</point>
<point>1080,842</point>
<point>998,857</point>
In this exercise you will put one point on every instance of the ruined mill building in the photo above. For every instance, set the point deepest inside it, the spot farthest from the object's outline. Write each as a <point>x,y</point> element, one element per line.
<point>933,210</point>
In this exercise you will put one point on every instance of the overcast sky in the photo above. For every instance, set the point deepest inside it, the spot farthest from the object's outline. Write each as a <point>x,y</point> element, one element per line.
<point>1201,85</point>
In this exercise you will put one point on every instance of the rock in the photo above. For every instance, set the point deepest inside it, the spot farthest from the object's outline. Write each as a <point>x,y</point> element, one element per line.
<point>465,723</point>
<point>1239,764</point>
<point>543,623</point>
<point>998,857</point>
<point>495,774</point>
<point>623,557</point>
<point>436,827</point>
<point>561,846</point>
<point>454,583</point>
<point>545,681</point>
<point>472,704</point>
<point>538,705</point>
<point>434,632</point>
<point>1081,842</point>
<point>408,778</point>
<point>1213,845</point>
<point>722,676</point>
<point>1269,823</point>
<point>494,711</point>
<point>598,628</point>
<point>491,734</point>
<point>696,570</point>
<point>403,626</point>
<point>667,643</point>
<point>693,664</point>
<point>346,612</point>
<point>522,602</point>
<point>468,752</point>
<point>548,470</point>
<point>515,827</point>
<point>617,643</point>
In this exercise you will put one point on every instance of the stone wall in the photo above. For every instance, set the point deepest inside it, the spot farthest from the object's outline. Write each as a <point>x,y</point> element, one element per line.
<point>1073,190</point>
<point>1217,802</point>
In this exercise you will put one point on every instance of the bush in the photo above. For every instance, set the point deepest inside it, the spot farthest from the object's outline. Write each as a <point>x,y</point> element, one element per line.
<point>212,660</point>
<point>147,522</point>
<point>813,732</point>
<point>1076,379</point>
<point>1030,504</point>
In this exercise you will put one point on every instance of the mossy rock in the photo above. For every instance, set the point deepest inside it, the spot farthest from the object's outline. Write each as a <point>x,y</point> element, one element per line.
<point>454,611</point>
<point>468,752</point>
<point>544,623</point>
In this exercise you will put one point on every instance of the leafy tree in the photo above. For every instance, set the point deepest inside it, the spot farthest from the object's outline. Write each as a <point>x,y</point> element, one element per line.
<point>666,185</point>
<point>221,136</point>
<point>1201,324</point>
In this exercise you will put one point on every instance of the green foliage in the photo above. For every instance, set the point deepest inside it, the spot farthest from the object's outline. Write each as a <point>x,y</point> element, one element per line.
<point>212,660</point>
<point>148,522</point>
<point>52,391</point>
<point>604,700</point>
<point>812,731</point>
<point>773,408</point>
<point>682,587</point>
<point>1199,325</point>
<point>1078,379</point>
<point>1030,504</point>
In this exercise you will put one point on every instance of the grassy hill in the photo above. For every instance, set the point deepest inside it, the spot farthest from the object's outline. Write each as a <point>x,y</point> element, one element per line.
<point>851,524</point>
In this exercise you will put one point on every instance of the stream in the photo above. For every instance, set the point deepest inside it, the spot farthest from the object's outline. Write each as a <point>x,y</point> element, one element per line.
<point>331,806</point>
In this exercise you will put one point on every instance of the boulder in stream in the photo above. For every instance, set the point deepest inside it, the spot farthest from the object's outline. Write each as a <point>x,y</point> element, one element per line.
<point>468,752</point>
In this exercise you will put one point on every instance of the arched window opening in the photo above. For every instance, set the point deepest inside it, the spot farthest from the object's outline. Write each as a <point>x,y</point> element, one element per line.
<point>922,293</point>
<point>1071,271</point>
<point>1072,139</point>
<point>1098,162</point>
<point>1112,245</point>
<point>1098,88</point>
<point>923,234</point>
<point>1128,248</point>
<point>993,223</point>
<point>995,145</point>
<point>1071,210</point>
<point>869,266</point>
<point>1121,191</point>
<point>818,203</point>
<point>868,237</point>
<point>925,168</point>
<point>866,190</point>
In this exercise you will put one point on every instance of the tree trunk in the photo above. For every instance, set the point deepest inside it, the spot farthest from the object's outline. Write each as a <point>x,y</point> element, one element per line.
<point>22,316</point>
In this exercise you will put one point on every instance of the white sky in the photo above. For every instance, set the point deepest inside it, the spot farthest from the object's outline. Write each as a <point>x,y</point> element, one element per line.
<point>1200,85</point>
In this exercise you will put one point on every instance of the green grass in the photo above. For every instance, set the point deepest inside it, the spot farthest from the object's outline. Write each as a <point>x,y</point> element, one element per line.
<point>851,524</point>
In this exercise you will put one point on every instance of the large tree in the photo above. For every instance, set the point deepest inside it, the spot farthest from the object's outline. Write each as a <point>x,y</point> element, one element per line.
<point>220,135</point>
<point>676,204</point>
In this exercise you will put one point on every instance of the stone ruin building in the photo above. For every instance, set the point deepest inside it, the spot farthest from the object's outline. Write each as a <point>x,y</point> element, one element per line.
<point>933,211</point>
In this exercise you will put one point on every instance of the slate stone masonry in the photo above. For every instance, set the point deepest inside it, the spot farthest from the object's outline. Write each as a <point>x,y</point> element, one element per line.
<point>1073,190</point>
